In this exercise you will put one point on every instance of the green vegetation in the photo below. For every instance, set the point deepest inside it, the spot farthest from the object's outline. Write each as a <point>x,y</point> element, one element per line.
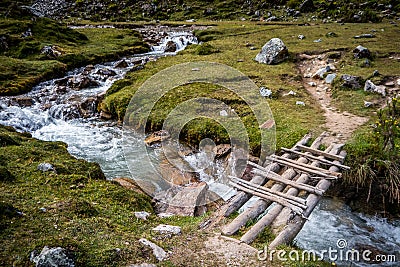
<point>23,64</point>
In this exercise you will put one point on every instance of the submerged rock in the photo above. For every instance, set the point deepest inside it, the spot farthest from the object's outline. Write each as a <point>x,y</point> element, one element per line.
<point>52,257</point>
<point>273,52</point>
<point>170,47</point>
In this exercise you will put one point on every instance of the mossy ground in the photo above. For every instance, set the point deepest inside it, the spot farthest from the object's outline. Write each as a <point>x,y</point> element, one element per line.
<point>23,65</point>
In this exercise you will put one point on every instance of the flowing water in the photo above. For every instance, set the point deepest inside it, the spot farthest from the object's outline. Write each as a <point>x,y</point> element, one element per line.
<point>65,110</point>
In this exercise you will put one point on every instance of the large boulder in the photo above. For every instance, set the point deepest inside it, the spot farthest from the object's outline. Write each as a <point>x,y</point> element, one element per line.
<point>190,201</point>
<point>273,52</point>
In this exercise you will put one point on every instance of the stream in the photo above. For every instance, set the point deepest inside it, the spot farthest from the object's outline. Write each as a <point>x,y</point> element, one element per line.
<point>65,110</point>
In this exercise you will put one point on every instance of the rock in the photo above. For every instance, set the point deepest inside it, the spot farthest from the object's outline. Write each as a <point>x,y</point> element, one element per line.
<point>129,183</point>
<point>301,37</point>
<point>330,77</point>
<point>350,81</point>
<point>142,265</point>
<point>291,93</point>
<point>221,150</point>
<point>361,52</point>
<point>158,252</point>
<point>273,52</point>
<point>121,64</point>
<point>88,107</point>
<point>300,103</point>
<point>45,167</point>
<point>265,92</point>
<point>170,47</point>
<point>165,215</point>
<point>51,51</point>
<point>157,137</point>
<point>367,35</point>
<point>318,40</point>
<point>167,229</point>
<point>313,84</point>
<point>52,257</point>
<point>142,215</point>
<point>223,113</point>
<point>371,87</point>
<point>80,82</point>
<point>307,6</point>
<point>105,115</point>
<point>187,201</point>
<point>368,104</point>
<point>106,72</point>
<point>272,18</point>
<point>375,73</point>
<point>331,34</point>
<point>24,101</point>
<point>321,72</point>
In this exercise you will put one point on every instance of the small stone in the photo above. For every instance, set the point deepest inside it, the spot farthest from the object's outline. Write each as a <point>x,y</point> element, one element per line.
<point>291,93</point>
<point>330,77</point>
<point>317,41</point>
<point>168,229</point>
<point>313,84</point>
<point>301,36</point>
<point>300,103</point>
<point>367,35</point>
<point>361,52</point>
<point>158,252</point>
<point>265,92</point>
<point>45,167</point>
<point>165,214</point>
<point>43,209</point>
<point>195,69</point>
<point>375,73</point>
<point>142,215</point>
<point>223,113</point>
<point>368,104</point>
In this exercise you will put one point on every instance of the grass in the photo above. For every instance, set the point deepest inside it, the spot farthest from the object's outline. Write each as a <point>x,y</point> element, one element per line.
<point>23,65</point>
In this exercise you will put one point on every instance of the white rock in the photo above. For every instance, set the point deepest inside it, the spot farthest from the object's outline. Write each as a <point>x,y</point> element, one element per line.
<point>313,84</point>
<point>142,215</point>
<point>368,104</point>
<point>290,93</point>
<point>265,92</point>
<point>223,113</point>
<point>330,77</point>
<point>158,252</point>
<point>165,215</point>
<point>168,229</point>
<point>300,103</point>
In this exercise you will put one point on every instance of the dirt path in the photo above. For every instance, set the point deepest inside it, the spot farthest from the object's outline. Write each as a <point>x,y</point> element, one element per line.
<point>339,125</point>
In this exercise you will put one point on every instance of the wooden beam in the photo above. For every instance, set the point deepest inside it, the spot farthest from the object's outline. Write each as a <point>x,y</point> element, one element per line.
<point>304,169</point>
<point>307,166</point>
<point>276,199</point>
<point>301,186</point>
<point>320,153</point>
<point>267,190</point>
<point>323,161</point>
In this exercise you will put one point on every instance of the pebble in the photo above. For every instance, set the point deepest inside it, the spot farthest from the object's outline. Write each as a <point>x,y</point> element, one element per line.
<point>300,103</point>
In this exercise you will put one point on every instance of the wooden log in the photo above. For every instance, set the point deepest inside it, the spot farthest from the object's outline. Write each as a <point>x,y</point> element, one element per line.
<point>267,219</point>
<point>281,201</point>
<point>261,205</point>
<point>241,198</point>
<point>267,190</point>
<point>294,227</point>
<point>323,161</point>
<point>304,169</point>
<point>305,187</point>
<point>307,166</point>
<point>321,153</point>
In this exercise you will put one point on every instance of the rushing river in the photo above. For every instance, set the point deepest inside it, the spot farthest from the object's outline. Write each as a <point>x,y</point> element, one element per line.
<point>65,110</point>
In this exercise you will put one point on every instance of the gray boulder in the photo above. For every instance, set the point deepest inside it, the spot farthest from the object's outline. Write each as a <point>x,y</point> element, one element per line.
<point>350,81</point>
<point>158,252</point>
<point>45,167</point>
<point>361,52</point>
<point>371,87</point>
<point>52,257</point>
<point>273,52</point>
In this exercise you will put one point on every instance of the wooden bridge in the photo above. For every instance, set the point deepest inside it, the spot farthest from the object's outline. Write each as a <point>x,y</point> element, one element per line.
<point>288,186</point>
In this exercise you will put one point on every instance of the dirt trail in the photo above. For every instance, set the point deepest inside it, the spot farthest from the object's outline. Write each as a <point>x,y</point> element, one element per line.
<point>340,125</point>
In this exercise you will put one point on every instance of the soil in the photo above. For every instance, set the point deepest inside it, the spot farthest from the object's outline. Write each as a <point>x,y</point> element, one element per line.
<point>339,125</point>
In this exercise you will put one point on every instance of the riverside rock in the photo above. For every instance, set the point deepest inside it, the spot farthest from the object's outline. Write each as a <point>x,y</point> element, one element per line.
<point>52,257</point>
<point>273,52</point>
